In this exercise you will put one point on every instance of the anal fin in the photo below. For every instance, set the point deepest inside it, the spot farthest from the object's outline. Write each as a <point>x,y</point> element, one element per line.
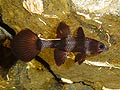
<point>60,56</point>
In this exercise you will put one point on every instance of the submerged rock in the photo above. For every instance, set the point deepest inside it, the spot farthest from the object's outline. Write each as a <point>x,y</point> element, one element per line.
<point>101,23</point>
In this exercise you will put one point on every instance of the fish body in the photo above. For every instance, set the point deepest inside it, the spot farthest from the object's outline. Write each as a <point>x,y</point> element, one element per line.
<point>26,45</point>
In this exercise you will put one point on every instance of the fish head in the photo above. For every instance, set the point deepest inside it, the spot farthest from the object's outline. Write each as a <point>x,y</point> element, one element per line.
<point>94,47</point>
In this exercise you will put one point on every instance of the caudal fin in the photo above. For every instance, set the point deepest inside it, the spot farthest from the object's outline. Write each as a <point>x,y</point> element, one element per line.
<point>24,45</point>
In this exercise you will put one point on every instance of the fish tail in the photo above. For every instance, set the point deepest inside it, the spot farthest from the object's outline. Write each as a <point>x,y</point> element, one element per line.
<point>26,45</point>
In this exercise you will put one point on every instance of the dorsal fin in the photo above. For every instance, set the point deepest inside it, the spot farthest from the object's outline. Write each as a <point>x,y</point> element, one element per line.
<point>80,57</point>
<point>24,45</point>
<point>80,33</point>
<point>63,30</point>
<point>80,40</point>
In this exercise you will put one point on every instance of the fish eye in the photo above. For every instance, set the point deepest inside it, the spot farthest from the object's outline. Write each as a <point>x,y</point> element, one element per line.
<point>101,46</point>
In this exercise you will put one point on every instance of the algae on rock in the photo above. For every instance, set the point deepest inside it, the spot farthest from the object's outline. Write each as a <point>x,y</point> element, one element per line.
<point>102,25</point>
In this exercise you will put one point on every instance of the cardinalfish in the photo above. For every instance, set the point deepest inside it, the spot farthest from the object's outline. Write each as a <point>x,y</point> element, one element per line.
<point>26,45</point>
<point>7,59</point>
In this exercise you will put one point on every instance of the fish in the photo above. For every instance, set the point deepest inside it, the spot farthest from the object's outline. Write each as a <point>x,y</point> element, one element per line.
<point>26,45</point>
<point>7,59</point>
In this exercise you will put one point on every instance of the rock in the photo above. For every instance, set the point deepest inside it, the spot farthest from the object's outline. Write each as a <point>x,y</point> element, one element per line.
<point>101,23</point>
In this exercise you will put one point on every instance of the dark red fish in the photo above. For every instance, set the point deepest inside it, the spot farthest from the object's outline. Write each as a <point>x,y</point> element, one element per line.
<point>26,45</point>
<point>7,59</point>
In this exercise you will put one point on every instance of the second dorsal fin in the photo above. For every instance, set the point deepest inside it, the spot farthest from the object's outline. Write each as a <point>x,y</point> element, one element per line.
<point>80,34</point>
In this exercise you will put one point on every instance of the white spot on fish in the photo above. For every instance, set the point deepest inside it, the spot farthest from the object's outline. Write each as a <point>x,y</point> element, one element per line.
<point>87,48</point>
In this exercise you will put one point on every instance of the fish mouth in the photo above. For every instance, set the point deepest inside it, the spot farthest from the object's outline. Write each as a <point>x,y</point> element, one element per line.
<point>102,50</point>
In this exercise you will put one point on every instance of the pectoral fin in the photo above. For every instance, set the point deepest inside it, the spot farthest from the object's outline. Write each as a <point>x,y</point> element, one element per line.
<point>60,57</point>
<point>63,30</point>
<point>80,58</point>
